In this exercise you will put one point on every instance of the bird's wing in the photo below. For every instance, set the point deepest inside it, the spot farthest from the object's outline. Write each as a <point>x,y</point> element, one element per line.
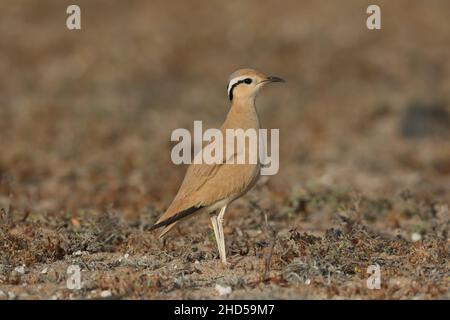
<point>204,185</point>
<point>189,193</point>
<point>196,177</point>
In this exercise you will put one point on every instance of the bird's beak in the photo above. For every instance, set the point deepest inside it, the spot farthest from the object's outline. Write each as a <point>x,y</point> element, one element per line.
<point>274,79</point>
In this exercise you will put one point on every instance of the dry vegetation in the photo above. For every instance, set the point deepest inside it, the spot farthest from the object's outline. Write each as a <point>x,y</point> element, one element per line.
<point>85,121</point>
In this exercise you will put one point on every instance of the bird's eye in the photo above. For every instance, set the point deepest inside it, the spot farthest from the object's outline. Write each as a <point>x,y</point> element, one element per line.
<point>248,81</point>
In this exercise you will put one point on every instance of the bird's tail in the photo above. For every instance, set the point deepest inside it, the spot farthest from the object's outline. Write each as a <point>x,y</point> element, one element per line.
<point>170,222</point>
<point>167,229</point>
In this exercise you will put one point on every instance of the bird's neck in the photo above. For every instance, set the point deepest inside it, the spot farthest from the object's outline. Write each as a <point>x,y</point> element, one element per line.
<point>242,114</point>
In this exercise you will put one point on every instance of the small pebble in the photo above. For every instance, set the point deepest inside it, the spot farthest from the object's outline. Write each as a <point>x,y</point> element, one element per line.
<point>20,269</point>
<point>105,294</point>
<point>223,290</point>
<point>416,237</point>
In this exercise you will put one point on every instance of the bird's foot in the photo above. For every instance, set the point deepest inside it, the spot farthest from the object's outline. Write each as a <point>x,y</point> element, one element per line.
<point>225,264</point>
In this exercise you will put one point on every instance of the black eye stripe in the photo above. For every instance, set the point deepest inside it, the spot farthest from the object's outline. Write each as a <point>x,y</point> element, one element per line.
<point>246,81</point>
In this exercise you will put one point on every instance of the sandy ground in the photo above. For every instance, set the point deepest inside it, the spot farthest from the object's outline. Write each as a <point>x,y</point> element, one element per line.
<point>85,170</point>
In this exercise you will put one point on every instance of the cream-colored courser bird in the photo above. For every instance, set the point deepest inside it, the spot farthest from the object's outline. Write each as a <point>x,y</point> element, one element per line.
<point>210,187</point>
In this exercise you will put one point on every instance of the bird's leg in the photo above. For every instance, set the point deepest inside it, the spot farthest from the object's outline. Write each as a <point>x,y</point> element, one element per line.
<point>221,241</point>
<point>215,225</point>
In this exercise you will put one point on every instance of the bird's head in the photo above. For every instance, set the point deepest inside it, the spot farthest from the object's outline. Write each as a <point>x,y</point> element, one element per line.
<point>245,83</point>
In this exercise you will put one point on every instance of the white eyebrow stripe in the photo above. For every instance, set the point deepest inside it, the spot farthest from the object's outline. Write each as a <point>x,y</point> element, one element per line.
<point>233,82</point>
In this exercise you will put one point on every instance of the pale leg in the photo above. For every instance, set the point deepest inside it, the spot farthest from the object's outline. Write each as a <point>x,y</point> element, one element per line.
<point>217,222</point>
<point>223,254</point>
<point>215,225</point>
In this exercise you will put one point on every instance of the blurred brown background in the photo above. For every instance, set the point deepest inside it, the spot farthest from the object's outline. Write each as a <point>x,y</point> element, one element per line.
<point>86,116</point>
<point>85,124</point>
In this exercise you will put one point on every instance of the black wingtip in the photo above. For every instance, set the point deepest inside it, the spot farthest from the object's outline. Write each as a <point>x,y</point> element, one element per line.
<point>175,217</point>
